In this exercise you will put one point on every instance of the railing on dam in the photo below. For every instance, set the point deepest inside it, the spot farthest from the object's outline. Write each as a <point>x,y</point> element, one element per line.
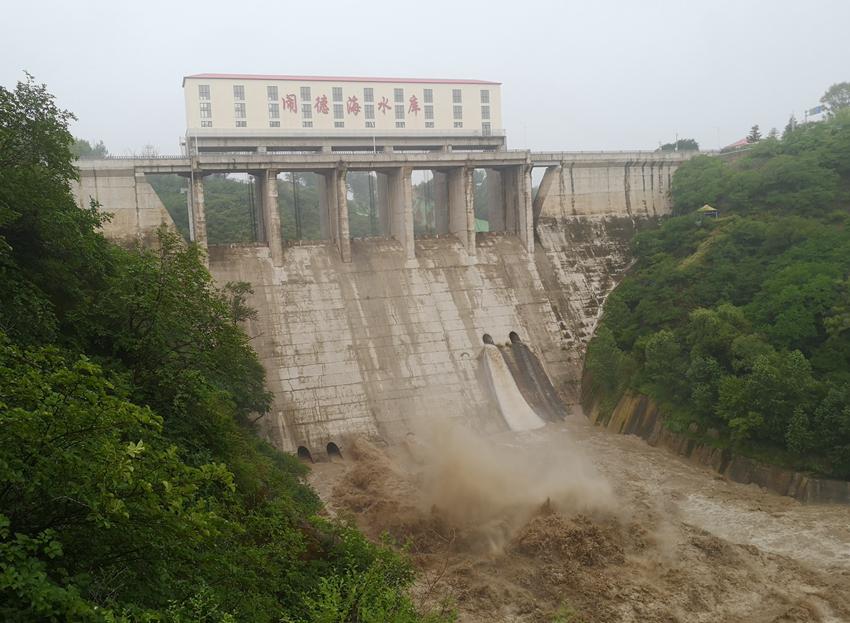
<point>550,158</point>
<point>250,161</point>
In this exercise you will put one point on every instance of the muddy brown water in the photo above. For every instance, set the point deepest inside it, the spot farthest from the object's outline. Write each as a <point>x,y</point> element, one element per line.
<point>680,543</point>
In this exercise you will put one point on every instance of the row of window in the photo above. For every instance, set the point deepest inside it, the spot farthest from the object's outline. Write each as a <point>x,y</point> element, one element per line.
<point>338,112</point>
<point>368,94</point>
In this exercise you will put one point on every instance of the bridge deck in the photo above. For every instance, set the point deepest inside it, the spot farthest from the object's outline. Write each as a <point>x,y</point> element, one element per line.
<point>359,161</point>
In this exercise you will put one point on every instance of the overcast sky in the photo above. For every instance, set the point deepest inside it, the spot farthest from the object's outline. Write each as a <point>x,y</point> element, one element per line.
<point>592,75</point>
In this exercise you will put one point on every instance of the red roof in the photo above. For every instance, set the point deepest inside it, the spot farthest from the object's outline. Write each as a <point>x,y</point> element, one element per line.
<point>741,143</point>
<point>334,79</point>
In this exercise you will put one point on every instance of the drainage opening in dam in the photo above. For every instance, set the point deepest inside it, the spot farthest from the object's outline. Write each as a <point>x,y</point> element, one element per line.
<point>513,336</point>
<point>430,191</point>
<point>301,204</point>
<point>370,198</point>
<point>233,204</point>
<point>487,339</point>
<point>304,454</point>
<point>333,451</point>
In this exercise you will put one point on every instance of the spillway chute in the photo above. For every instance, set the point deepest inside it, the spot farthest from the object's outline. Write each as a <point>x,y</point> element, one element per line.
<point>517,413</point>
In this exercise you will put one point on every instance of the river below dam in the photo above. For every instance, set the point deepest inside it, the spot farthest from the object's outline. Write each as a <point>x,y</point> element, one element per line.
<point>573,521</point>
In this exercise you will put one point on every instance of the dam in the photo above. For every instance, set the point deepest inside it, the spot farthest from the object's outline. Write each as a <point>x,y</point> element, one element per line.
<point>372,335</point>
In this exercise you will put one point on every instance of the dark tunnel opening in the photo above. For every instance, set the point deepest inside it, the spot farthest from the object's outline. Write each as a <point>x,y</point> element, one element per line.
<point>487,339</point>
<point>304,454</point>
<point>333,451</point>
<point>514,337</point>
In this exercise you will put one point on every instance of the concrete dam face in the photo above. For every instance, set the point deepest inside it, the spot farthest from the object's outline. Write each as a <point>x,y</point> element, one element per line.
<point>380,338</point>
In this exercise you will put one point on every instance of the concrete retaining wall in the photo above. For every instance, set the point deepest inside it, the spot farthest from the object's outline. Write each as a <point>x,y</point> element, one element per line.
<point>636,414</point>
<point>637,189</point>
<point>136,209</point>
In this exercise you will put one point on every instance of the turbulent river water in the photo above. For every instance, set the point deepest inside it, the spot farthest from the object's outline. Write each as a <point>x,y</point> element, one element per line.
<point>572,518</point>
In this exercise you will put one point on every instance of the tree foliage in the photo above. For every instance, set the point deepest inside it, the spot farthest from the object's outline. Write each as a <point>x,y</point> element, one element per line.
<point>84,150</point>
<point>837,97</point>
<point>683,144</point>
<point>132,487</point>
<point>755,134</point>
<point>741,323</point>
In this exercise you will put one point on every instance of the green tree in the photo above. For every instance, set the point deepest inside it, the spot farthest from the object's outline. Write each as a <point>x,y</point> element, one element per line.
<point>89,490</point>
<point>755,134</point>
<point>789,127</point>
<point>663,363</point>
<point>837,97</point>
<point>131,485</point>
<point>756,301</point>
<point>683,144</point>
<point>50,251</point>
<point>84,150</point>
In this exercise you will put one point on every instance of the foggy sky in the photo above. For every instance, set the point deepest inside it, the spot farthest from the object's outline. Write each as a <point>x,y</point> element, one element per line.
<point>590,75</point>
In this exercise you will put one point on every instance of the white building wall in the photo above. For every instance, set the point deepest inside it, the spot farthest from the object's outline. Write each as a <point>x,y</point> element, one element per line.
<point>257,114</point>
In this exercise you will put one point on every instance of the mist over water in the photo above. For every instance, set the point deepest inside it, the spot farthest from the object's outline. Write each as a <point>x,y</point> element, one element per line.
<point>499,485</point>
<point>527,521</point>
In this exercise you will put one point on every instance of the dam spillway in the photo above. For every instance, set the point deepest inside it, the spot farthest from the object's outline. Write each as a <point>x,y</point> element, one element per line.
<point>373,336</point>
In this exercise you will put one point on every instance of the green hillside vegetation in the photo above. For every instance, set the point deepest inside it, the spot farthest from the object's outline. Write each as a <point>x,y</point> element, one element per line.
<point>741,324</point>
<point>132,487</point>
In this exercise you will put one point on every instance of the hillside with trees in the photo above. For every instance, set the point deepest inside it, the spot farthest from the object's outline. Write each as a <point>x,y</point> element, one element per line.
<point>739,325</point>
<point>132,487</point>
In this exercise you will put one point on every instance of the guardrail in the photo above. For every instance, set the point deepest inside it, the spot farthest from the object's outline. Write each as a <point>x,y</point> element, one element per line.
<point>138,157</point>
<point>319,133</point>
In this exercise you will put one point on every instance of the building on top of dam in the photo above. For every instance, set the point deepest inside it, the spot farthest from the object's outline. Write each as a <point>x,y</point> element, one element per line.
<point>258,113</point>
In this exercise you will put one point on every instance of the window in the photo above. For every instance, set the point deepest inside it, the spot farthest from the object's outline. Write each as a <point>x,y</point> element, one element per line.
<point>368,94</point>
<point>305,94</point>
<point>485,112</point>
<point>206,124</point>
<point>399,111</point>
<point>339,124</point>
<point>428,96</point>
<point>274,110</point>
<point>274,124</point>
<point>306,124</point>
<point>203,91</point>
<point>307,111</point>
<point>206,110</point>
<point>398,96</point>
<point>456,96</point>
<point>239,92</point>
<point>429,124</point>
<point>370,124</point>
<point>337,111</point>
<point>271,94</point>
<point>399,124</point>
<point>239,110</point>
<point>457,112</point>
<point>241,123</point>
<point>485,128</point>
<point>369,111</point>
<point>485,96</point>
<point>458,124</point>
<point>429,111</point>
<point>337,94</point>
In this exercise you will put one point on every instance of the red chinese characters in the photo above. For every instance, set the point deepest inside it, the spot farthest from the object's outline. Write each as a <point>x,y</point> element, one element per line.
<point>321,104</point>
<point>384,105</point>
<point>290,103</point>
<point>352,106</point>
<point>414,105</point>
